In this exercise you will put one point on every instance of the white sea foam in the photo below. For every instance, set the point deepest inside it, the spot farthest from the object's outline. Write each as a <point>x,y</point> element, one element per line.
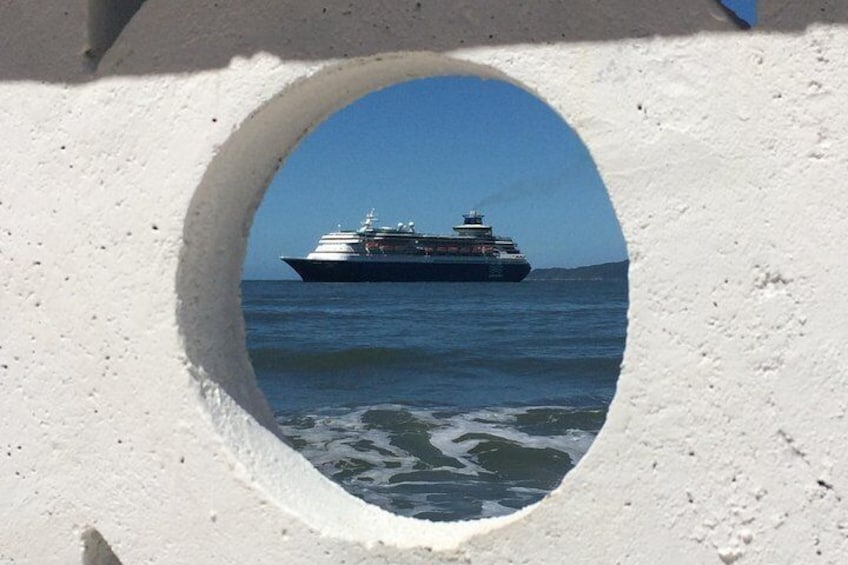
<point>499,422</point>
<point>363,458</point>
<point>332,435</point>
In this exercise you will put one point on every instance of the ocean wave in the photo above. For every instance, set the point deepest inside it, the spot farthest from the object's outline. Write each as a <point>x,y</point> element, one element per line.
<point>281,359</point>
<point>439,401</point>
<point>378,359</point>
<point>444,463</point>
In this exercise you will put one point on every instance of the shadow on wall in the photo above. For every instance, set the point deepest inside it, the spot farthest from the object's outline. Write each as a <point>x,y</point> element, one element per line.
<point>96,551</point>
<point>106,21</point>
<point>204,35</point>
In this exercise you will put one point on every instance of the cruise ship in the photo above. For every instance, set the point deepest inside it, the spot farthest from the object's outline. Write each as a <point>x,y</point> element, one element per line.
<point>401,254</point>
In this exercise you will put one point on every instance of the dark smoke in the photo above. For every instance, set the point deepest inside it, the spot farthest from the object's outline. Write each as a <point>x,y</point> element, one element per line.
<point>525,190</point>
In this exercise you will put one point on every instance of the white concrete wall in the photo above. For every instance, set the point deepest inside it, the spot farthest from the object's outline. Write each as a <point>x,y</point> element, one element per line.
<point>126,195</point>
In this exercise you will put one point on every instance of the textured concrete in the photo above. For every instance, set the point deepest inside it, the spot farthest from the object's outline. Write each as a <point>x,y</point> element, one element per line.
<point>131,423</point>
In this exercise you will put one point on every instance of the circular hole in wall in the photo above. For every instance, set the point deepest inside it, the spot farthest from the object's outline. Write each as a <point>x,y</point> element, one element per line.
<point>444,401</point>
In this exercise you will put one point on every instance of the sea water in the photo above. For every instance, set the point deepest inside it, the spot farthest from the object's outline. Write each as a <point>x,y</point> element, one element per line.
<point>444,401</point>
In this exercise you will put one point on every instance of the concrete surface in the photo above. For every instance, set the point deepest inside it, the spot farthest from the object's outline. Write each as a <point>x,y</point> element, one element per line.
<point>132,428</point>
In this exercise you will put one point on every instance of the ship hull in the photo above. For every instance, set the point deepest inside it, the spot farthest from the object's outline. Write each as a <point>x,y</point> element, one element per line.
<point>317,270</point>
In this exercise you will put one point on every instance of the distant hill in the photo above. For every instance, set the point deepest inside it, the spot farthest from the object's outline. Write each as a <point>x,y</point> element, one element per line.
<point>592,272</point>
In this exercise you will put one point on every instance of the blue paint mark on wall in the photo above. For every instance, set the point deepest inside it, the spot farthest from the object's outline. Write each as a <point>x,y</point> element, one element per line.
<point>745,10</point>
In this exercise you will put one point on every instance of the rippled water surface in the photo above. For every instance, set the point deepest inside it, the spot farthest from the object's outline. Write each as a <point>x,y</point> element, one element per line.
<point>440,401</point>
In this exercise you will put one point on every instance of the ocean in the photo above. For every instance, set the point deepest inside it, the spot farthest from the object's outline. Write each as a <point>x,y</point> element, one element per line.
<point>442,401</point>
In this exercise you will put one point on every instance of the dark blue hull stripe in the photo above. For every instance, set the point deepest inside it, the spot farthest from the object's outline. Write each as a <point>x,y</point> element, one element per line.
<point>311,270</point>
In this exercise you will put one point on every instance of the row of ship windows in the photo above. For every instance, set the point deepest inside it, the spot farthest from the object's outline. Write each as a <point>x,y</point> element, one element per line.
<point>375,247</point>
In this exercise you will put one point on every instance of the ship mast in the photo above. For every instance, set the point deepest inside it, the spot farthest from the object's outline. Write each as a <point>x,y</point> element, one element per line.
<point>368,222</point>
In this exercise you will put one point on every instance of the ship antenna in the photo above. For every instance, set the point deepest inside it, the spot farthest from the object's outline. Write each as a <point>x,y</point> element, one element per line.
<point>368,222</point>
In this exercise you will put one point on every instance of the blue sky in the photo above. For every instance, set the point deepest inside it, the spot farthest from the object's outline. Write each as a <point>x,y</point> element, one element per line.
<point>745,9</point>
<point>428,151</point>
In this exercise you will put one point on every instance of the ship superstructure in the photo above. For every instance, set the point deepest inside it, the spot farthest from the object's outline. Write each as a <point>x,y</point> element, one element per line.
<point>472,253</point>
